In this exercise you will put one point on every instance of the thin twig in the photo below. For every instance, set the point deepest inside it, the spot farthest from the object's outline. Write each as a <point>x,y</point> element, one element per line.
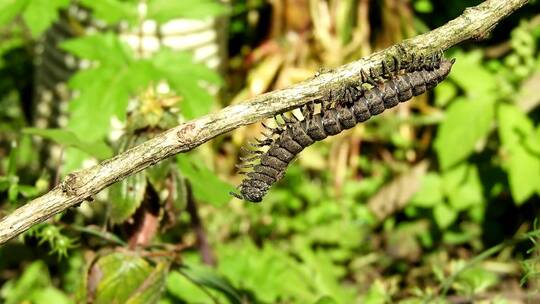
<point>475,22</point>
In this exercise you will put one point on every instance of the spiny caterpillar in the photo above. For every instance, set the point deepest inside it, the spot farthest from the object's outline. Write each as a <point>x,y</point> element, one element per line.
<point>351,106</point>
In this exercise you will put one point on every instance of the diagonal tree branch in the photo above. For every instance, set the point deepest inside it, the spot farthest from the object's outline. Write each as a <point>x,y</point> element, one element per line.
<point>475,22</point>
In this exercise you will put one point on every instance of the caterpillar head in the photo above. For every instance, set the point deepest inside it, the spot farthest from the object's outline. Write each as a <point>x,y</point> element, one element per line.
<point>249,193</point>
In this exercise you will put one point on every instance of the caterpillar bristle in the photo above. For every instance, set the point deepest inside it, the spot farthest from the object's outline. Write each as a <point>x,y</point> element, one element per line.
<point>248,159</point>
<point>238,196</point>
<point>244,166</point>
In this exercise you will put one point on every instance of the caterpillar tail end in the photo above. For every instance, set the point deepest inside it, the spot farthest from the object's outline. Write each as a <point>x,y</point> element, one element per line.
<point>244,198</point>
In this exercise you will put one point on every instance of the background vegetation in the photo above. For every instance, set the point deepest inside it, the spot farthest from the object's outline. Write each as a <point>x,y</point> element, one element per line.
<point>434,201</point>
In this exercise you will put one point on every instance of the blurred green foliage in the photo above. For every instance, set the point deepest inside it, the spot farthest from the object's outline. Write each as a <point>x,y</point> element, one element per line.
<point>429,203</point>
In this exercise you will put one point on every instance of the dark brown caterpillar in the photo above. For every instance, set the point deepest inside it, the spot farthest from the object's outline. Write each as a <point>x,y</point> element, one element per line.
<point>359,106</point>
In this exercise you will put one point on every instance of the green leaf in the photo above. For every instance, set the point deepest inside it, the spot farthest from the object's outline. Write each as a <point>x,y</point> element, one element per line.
<point>377,294</point>
<point>206,185</point>
<point>105,89</point>
<point>430,193</point>
<point>113,11</point>
<point>465,124</point>
<point>34,277</point>
<point>99,149</point>
<point>40,14</point>
<point>13,192</point>
<point>49,295</point>
<point>126,196</point>
<point>471,76</point>
<point>103,47</point>
<point>326,300</point>
<point>444,93</point>
<point>522,164</point>
<point>475,280</point>
<point>13,159</point>
<point>209,278</point>
<point>263,270</point>
<point>127,278</point>
<point>165,10</point>
<point>185,77</point>
<point>444,215</point>
<point>9,9</point>
<point>463,187</point>
<point>182,288</point>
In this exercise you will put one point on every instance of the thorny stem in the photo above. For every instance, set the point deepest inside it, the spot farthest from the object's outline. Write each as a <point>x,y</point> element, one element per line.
<point>475,22</point>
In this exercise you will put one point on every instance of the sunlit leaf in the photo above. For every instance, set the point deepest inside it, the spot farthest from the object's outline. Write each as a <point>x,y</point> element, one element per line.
<point>64,137</point>
<point>466,122</point>
<point>112,11</point>
<point>103,47</point>
<point>469,73</point>
<point>206,185</point>
<point>444,215</point>
<point>49,295</point>
<point>165,10</point>
<point>40,14</point>
<point>104,90</point>
<point>475,280</point>
<point>9,9</point>
<point>326,300</point>
<point>430,193</point>
<point>187,78</point>
<point>522,163</point>
<point>463,187</point>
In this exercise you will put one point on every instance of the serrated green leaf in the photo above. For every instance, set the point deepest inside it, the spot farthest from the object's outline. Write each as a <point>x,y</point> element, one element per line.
<point>444,215</point>
<point>98,102</point>
<point>522,164</point>
<point>463,187</point>
<point>206,185</point>
<point>40,14</point>
<point>98,149</point>
<point>126,196</point>
<point>430,193</point>
<point>209,278</point>
<point>9,9</point>
<point>104,47</point>
<point>113,11</point>
<point>185,77</point>
<point>105,89</point>
<point>466,122</point>
<point>165,10</point>
<point>127,278</point>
